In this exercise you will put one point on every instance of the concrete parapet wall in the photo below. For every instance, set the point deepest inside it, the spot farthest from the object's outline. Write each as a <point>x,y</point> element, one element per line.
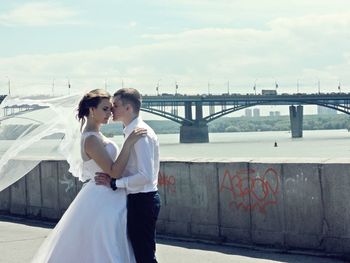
<point>286,205</point>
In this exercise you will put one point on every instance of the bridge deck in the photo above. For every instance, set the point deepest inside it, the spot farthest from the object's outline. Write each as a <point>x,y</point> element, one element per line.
<point>238,99</point>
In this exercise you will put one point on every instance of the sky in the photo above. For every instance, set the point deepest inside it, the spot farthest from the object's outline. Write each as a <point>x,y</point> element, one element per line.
<point>204,46</point>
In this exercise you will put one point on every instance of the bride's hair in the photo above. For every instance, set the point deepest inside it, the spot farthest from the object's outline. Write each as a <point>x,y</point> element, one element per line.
<point>90,100</point>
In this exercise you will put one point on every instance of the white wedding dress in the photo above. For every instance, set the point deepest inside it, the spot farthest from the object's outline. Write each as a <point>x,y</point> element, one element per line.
<point>93,229</point>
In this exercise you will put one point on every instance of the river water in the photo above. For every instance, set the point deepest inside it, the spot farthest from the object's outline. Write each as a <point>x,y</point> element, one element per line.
<point>314,144</point>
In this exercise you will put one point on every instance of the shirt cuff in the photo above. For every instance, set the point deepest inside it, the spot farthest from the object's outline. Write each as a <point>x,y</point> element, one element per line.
<point>120,183</point>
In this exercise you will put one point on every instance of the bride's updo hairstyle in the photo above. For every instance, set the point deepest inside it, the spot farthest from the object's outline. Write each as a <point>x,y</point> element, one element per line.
<point>90,100</point>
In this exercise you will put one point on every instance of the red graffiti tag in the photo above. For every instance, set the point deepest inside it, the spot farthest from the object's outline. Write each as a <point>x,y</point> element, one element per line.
<point>168,181</point>
<point>262,190</point>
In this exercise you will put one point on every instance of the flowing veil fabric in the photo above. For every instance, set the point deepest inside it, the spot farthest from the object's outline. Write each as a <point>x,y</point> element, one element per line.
<point>26,124</point>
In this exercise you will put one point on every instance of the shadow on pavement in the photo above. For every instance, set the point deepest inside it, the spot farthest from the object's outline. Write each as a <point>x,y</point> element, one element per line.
<point>265,253</point>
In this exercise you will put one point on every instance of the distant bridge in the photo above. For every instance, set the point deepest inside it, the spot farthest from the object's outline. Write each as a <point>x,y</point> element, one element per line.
<point>195,128</point>
<point>18,109</point>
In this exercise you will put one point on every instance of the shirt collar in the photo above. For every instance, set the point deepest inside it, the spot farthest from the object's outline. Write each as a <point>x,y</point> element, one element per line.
<point>132,125</point>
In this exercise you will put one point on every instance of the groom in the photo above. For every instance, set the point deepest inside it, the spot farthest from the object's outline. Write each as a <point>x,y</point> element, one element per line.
<point>140,176</point>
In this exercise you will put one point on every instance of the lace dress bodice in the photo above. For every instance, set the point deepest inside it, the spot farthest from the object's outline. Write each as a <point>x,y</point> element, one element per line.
<point>90,167</point>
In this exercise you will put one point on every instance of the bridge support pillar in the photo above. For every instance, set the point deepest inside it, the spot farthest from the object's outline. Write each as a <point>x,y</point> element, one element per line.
<point>188,110</point>
<point>194,134</point>
<point>296,121</point>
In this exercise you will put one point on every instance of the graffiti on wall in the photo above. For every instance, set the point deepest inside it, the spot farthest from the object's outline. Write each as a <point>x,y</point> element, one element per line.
<point>68,181</point>
<point>256,192</point>
<point>168,181</point>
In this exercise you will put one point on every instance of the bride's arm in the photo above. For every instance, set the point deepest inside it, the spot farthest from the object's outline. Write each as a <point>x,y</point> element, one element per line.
<point>95,150</point>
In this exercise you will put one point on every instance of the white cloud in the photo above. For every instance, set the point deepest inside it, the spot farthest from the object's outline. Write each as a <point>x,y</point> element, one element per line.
<point>39,14</point>
<point>321,24</point>
<point>307,48</point>
<point>132,24</point>
<point>249,12</point>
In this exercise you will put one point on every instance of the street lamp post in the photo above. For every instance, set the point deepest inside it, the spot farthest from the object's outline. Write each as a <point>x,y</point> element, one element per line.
<point>297,86</point>
<point>53,87</point>
<point>9,85</point>
<point>69,86</point>
<point>176,87</point>
<point>157,88</point>
<point>254,87</point>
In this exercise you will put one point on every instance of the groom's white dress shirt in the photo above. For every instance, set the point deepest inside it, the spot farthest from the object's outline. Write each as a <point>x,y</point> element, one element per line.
<point>141,172</point>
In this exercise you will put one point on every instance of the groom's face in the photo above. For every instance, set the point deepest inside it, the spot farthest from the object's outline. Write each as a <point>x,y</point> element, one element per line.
<point>118,110</point>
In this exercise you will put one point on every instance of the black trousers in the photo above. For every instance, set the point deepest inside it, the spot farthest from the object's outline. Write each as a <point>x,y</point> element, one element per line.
<point>143,210</point>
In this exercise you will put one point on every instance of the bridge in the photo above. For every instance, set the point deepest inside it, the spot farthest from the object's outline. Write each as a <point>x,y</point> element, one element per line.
<point>17,109</point>
<point>194,127</point>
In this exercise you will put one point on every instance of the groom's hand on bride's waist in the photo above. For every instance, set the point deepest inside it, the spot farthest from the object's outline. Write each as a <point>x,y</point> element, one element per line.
<point>103,179</point>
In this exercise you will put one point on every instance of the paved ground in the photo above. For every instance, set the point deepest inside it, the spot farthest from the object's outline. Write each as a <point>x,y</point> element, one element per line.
<point>20,238</point>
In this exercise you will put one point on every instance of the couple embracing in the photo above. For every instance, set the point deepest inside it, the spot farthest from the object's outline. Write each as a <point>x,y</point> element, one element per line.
<point>113,217</point>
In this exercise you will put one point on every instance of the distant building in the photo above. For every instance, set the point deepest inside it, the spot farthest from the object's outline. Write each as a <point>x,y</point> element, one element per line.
<point>268,92</point>
<point>325,111</point>
<point>275,113</point>
<point>248,113</point>
<point>256,112</point>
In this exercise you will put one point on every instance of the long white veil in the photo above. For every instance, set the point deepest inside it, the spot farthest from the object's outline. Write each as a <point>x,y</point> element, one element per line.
<point>32,130</point>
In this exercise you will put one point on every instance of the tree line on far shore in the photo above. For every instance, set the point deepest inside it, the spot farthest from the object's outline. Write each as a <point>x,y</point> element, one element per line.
<point>279,123</point>
<point>246,124</point>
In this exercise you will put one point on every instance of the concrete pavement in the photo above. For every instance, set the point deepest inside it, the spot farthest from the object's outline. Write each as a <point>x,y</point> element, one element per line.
<point>20,238</point>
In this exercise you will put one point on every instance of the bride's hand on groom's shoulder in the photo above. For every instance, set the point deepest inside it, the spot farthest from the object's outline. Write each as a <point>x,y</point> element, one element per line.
<point>135,135</point>
<point>102,179</point>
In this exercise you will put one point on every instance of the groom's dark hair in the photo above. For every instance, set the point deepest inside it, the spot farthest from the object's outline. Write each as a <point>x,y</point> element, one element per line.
<point>130,96</point>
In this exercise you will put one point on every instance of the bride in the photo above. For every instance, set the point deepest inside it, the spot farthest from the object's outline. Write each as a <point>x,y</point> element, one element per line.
<point>93,229</point>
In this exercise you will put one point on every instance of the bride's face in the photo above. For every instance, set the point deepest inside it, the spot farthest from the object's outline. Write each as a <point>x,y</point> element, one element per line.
<point>103,112</point>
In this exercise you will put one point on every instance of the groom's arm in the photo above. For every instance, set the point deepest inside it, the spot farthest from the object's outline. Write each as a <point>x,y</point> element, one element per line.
<point>144,150</point>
